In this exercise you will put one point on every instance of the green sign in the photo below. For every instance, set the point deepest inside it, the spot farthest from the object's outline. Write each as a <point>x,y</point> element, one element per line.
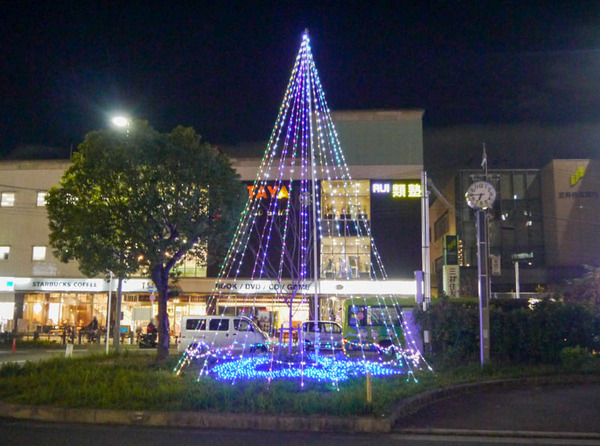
<point>451,250</point>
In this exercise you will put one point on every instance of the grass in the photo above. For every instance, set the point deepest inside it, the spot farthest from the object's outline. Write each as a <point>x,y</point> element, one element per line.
<point>31,344</point>
<point>133,381</point>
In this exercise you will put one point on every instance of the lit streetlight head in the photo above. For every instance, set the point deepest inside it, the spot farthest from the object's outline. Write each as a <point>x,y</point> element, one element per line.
<point>120,121</point>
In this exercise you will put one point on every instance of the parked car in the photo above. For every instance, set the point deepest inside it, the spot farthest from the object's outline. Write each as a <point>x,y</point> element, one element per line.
<point>330,335</point>
<point>222,332</point>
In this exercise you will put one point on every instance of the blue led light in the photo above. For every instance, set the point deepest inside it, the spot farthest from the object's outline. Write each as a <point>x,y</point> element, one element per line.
<point>322,369</point>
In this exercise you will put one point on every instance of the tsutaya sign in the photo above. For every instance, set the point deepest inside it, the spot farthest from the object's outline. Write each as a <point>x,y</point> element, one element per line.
<point>280,192</point>
<point>397,189</point>
<point>345,287</point>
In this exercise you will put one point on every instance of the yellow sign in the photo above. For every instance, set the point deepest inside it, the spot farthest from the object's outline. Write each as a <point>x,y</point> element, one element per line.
<point>398,189</point>
<point>406,190</point>
<point>279,192</point>
<point>577,176</point>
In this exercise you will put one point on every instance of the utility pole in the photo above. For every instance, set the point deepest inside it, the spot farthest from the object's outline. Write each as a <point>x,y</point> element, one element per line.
<point>425,242</point>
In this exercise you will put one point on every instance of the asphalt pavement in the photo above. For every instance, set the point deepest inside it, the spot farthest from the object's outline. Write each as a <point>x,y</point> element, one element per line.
<point>552,410</point>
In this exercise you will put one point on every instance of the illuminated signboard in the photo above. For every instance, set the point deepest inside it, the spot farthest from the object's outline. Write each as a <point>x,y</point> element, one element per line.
<point>395,220</point>
<point>578,175</point>
<point>397,189</point>
<point>280,192</point>
<point>6,284</point>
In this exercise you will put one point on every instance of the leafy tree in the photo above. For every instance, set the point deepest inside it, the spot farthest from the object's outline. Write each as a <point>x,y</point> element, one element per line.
<point>585,289</point>
<point>143,199</point>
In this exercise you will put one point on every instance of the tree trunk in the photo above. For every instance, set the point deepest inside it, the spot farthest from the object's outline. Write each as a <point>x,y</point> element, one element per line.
<point>161,279</point>
<point>163,324</point>
<point>117,319</point>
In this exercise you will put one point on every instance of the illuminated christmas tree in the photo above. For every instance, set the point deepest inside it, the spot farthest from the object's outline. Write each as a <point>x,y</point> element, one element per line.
<point>302,201</point>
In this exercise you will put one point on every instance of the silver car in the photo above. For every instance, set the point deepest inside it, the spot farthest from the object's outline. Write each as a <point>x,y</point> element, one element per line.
<point>330,335</point>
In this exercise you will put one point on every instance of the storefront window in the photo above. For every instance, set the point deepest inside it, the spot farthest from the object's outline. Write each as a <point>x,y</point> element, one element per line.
<point>345,243</point>
<point>49,310</point>
<point>345,200</point>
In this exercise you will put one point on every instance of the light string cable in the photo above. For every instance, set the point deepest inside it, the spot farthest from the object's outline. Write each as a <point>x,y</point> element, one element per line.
<point>389,319</point>
<point>238,246</point>
<point>339,171</point>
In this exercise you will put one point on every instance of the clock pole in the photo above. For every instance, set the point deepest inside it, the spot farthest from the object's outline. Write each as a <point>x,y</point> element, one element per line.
<point>481,196</point>
<point>483,285</point>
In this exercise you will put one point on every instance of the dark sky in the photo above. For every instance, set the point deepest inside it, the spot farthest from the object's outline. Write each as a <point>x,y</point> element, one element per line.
<point>521,76</point>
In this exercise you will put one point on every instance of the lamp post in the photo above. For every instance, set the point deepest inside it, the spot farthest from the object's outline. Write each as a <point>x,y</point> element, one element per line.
<point>108,309</point>
<point>123,123</point>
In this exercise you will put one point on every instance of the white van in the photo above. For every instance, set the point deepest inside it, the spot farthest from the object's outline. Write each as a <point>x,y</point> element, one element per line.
<point>330,335</point>
<point>222,332</point>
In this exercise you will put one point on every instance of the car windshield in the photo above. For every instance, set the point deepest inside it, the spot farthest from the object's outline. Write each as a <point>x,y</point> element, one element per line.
<point>378,316</point>
<point>324,327</point>
<point>243,325</point>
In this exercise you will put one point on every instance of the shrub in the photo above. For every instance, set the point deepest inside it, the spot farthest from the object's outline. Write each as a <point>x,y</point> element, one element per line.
<point>519,333</point>
<point>454,331</point>
<point>573,358</point>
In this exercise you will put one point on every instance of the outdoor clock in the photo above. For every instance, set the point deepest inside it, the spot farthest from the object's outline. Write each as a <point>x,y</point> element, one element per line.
<point>481,195</point>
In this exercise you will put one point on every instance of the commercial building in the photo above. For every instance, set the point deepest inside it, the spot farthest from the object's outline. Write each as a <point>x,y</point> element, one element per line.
<point>384,154</point>
<point>543,227</point>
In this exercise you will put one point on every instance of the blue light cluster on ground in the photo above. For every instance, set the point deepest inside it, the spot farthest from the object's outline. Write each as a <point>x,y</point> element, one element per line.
<point>323,369</point>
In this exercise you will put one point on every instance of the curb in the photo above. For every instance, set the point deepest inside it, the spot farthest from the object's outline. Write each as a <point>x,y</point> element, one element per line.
<point>202,420</point>
<point>208,420</point>
<point>502,434</point>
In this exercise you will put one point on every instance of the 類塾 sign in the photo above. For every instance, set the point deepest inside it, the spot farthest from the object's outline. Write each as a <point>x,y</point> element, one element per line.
<point>397,189</point>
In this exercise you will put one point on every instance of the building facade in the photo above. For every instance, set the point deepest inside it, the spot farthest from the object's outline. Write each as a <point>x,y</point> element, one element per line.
<point>544,220</point>
<point>384,154</point>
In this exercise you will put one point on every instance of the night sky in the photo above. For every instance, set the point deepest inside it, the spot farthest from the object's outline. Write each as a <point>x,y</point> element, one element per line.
<point>521,76</point>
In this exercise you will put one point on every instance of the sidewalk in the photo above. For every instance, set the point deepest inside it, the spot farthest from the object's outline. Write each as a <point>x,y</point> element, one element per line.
<point>21,355</point>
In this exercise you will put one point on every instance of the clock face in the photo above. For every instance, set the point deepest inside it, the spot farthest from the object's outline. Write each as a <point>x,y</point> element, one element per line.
<point>480,195</point>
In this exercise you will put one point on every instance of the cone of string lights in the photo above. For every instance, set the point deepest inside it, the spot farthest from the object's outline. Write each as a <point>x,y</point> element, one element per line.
<point>302,203</point>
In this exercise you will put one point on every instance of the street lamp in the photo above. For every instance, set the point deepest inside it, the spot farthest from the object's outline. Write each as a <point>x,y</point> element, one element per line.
<point>110,275</point>
<point>120,121</point>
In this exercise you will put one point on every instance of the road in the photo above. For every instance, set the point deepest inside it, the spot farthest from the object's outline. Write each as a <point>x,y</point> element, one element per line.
<point>557,408</point>
<point>21,432</point>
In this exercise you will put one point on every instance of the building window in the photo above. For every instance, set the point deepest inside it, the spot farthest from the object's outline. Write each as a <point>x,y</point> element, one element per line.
<point>41,199</point>
<point>440,227</point>
<point>345,244</point>
<point>345,200</point>
<point>193,267</point>
<point>519,186</point>
<point>4,251</point>
<point>345,257</point>
<point>39,253</point>
<point>8,199</point>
